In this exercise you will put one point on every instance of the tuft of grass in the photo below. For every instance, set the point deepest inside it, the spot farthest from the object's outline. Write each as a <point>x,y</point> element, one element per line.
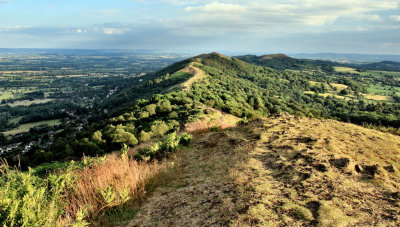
<point>303,213</point>
<point>329,215</point>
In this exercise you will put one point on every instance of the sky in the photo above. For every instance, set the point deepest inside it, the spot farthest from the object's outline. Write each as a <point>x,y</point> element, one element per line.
<point>256,26</point>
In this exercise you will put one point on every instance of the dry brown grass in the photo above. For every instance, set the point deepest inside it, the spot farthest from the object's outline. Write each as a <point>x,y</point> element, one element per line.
<point>283,171</point>
<point>126,180</point>
<point>293,168</point>
<point>203,192</point>
<point>379,97</point>
<point>339,86</point>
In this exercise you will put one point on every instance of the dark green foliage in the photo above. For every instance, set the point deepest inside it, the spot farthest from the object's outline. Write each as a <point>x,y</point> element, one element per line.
<point>154,83</point>
<point>384,65</point>
<point>344,92</point>
<point>283,62</point>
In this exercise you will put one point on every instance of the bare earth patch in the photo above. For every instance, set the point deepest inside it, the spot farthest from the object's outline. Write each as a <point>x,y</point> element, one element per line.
<point>203,192</point>
<point>198,74</point>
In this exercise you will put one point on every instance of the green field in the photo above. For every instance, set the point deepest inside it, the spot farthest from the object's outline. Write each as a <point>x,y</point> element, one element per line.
<point>376,73</point>
<point>6,95</point>
<point>379,89</point>
<point>341,69</point>
<point>26,127</point>
<point>14,120</point>
<point>27,102</point>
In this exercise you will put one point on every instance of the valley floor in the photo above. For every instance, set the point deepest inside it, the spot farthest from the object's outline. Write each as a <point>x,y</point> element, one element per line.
<point>282,171</point>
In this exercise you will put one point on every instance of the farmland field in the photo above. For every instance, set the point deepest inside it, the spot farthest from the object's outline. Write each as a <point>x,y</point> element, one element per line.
<point>27,102</point>
<point>341,69</point>
<point>376,73</point>
<point>25,127</point>
<point>386,90</point>
<point>37,88</point>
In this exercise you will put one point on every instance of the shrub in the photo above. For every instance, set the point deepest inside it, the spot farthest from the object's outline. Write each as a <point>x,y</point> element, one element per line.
<point>160,148</point>
<point>215,129</point>
<point>144,136</point>
<point>303,213</point>
<point>98,137</point>
<point>185,139</point>
<point>159,128</point>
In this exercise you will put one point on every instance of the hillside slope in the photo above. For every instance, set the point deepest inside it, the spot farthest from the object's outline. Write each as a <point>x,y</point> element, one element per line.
<point>284,62</point>
<point>272,171</point>
<point>282,171</point>
<point>383,65</point>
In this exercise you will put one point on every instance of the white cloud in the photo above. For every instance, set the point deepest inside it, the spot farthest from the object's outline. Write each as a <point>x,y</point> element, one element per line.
<point>13,28</point>
<point>369,17</point>
<point>115,31</point>
<point>292,13</point>
<point>233,24</point>
<point>395,18</point>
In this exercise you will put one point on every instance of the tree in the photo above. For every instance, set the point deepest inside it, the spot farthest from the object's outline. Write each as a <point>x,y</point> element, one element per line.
<point>164,106</point>
<point>144,136</point>
<point>159,128</point>
<point>151,109</point>
<point>120,136</point>
<point>344,92</point>
<point>3,138</point>
<point>98,137</point>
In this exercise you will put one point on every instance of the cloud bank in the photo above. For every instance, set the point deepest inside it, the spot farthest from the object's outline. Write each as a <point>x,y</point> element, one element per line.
<point>364,26</point>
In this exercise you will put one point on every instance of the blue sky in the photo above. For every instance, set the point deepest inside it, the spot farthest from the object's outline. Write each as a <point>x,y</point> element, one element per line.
<point>263,26</point>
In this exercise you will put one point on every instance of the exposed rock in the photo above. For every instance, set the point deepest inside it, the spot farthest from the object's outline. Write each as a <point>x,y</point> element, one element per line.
<point>320,167</point>
<point>372,170</point>
<point>359,168</point>
<point>390,168</point>
<point>340,162</point>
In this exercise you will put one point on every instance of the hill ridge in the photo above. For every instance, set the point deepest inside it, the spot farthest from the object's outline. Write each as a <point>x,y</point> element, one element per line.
<point>273,56</point>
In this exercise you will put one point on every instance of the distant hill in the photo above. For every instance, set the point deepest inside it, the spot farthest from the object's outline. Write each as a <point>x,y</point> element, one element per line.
<point>282,62</point>
<point>384,65</point>
<point>274,56</point>
<point>349,58</point>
